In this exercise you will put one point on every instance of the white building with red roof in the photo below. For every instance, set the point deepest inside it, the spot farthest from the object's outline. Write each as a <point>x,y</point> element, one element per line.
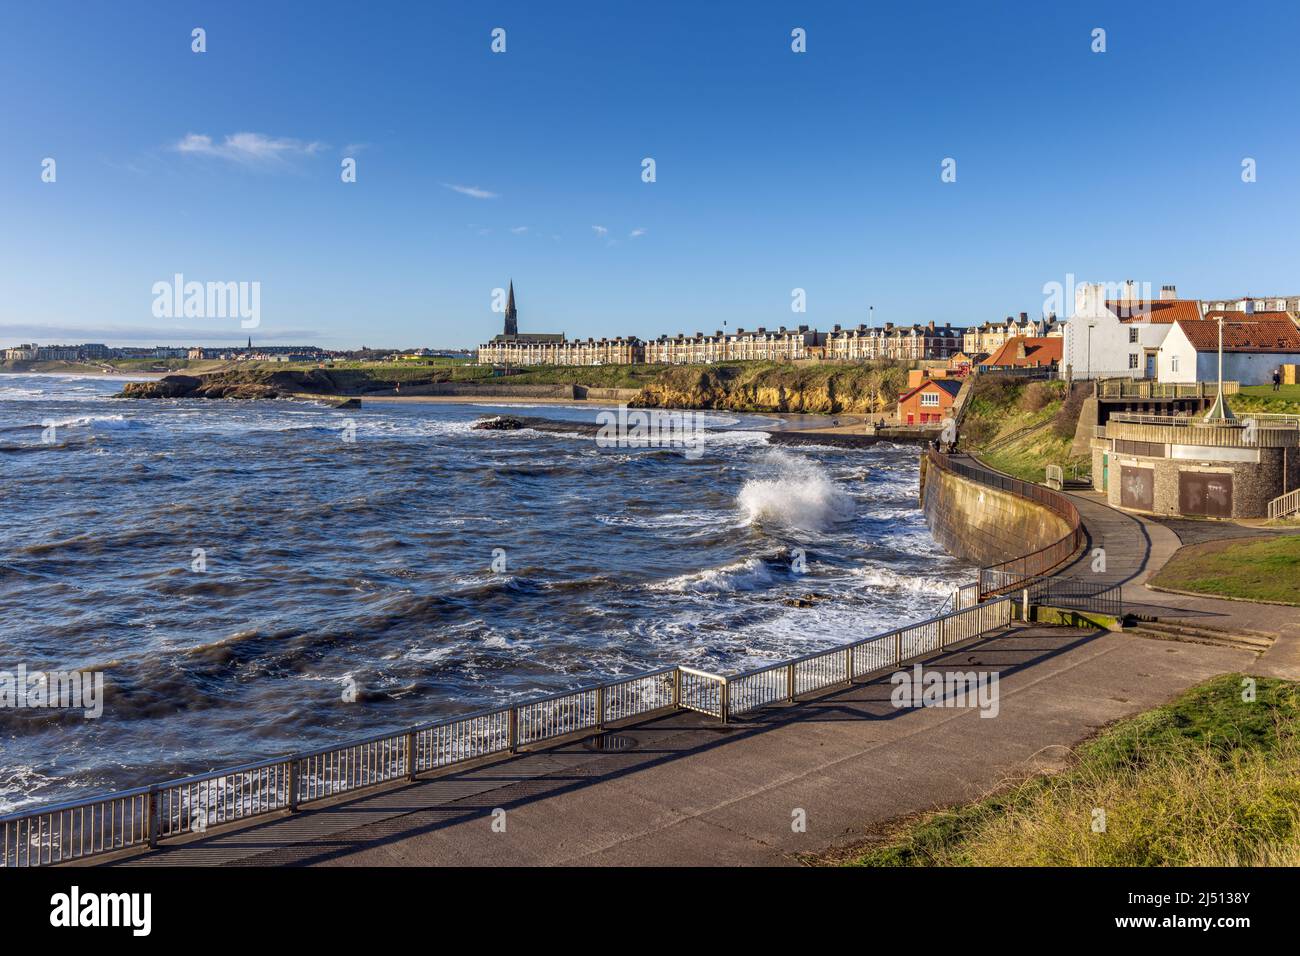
<point>1255,345</point>
<point>1120,337</point>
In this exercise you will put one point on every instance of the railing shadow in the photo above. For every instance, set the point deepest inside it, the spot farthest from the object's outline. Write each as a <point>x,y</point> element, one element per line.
<point>410,811</point>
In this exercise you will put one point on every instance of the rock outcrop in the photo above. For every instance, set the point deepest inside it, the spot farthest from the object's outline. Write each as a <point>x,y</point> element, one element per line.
<point>824,389</point>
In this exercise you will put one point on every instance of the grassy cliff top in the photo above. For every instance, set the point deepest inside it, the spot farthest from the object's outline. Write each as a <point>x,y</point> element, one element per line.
<point>1021,427</point>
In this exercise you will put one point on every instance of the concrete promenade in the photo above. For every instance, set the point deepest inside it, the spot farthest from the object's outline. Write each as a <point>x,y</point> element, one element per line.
<point>689,791</point>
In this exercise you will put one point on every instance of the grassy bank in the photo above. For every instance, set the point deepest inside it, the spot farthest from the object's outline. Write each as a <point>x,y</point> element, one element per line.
<point>1262,398</point>
<point>1256,569</point>
<point>1207,780</point>
<point>1021,427</point>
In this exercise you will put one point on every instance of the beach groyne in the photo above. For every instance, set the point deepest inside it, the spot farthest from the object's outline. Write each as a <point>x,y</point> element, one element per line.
<point>987,525</point>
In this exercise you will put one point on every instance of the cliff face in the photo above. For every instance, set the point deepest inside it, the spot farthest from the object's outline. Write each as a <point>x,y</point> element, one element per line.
<point>780,388</point>
<point>759,387</point>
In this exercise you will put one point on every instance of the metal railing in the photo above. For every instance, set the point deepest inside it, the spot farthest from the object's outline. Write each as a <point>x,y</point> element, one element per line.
<point>1077,594</point>
<point>1036,563</point>
<point>1145,388</point>
<point>1284,505</point>
<point>142,816</point>
<point>1248,431</point>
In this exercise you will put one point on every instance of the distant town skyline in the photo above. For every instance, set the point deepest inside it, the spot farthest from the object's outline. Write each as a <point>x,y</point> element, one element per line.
<point>775,171</point>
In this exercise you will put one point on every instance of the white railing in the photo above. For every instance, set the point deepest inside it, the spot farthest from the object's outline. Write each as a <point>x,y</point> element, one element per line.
<point>1283,505</point>
<point>142,816</point>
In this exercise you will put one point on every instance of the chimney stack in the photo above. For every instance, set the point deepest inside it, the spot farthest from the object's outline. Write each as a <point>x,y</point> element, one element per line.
<point>1024,317</point>
<point>1250,306</point>
<point>1168,293</point>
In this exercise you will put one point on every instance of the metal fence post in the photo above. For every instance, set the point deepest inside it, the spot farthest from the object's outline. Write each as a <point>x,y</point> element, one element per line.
<point>512,730</point>
<point>848,664</point>
<point>293,785</point>
<point>677,688</point>
<point>410,755</point>
<point>939,624</point>
<point>725,699</point>
<point>600,707</point>
<point>1024,606</point>
<point>154,822</point>
<point>789,682</point>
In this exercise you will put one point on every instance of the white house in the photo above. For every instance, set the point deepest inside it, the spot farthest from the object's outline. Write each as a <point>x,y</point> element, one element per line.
<point>1254,346</point>
<point>1120,338</point>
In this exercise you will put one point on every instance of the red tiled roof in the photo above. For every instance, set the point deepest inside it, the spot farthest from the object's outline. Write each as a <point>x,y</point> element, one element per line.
<point>1025,352</point>
<point>947,385</point>
<point>1156,310</point>
<point>1234,316</point>
<point>1244,334</point>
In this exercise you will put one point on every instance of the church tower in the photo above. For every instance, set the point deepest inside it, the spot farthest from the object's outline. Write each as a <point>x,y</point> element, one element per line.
<point>512,317</point>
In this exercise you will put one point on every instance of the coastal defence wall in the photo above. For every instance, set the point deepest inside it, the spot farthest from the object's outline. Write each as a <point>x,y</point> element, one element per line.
<point>472,390</point>
<point>984,525</point>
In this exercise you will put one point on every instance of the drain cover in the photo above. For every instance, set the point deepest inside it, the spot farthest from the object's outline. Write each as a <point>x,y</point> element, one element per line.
<point>612,743</point>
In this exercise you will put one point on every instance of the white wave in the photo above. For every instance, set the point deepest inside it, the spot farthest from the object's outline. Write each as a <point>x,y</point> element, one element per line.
<point>796,493</point>
<point>748,575</point>
<point>108,422</point>
<point>735,438</point>
<point>881,577</point>
<point>17,784</point>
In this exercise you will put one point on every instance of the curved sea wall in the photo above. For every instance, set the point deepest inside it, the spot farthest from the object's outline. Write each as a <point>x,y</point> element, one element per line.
<point>982,524</point>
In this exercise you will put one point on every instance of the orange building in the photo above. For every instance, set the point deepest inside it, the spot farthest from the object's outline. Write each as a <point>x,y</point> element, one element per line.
<point>928,403</point>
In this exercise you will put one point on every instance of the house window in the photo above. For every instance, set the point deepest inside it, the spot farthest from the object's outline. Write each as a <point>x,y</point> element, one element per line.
<point>1133,337</point>
<point>1173,364</point>
<point>930,398</point>
<point>1133,360</point>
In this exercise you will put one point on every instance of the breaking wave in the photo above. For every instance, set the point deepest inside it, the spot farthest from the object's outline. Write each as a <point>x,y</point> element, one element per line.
<point>796,494</point>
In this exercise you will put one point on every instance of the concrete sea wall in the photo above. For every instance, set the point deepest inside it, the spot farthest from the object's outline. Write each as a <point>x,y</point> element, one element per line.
<point>984,525</point>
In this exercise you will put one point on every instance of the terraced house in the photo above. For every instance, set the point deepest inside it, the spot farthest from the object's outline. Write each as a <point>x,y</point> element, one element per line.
<point>903,343</point>
<point>991,336</point>
<point>780,345</point>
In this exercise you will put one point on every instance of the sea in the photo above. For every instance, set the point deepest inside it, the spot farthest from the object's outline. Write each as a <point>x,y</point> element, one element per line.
<point>253,578</point>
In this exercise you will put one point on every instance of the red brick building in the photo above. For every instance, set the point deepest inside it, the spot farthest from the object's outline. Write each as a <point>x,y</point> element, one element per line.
<point>929,403</point>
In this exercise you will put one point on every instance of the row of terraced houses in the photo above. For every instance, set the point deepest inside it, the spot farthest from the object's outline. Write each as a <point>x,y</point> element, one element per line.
<point>899,342</point>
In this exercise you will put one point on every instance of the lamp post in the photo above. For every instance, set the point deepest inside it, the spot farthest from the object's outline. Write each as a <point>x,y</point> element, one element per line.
<point>1219,411</point>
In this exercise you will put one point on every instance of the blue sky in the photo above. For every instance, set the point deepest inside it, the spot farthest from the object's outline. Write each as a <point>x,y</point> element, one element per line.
<point>775,170</point>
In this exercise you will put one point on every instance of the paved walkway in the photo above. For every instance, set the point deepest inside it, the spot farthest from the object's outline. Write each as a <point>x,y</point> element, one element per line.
<point>1137,547</point>
<point>691,791</point>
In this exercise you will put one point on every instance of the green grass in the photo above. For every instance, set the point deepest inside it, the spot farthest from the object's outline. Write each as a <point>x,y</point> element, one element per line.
<point>1262,398</point>
<point>1000,406</point>
<point>1207,780</point>
<point>1258,569</point>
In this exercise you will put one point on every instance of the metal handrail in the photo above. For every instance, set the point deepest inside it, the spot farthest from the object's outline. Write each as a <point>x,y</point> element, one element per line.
<point>1285,504</point>
<point>142,816</point>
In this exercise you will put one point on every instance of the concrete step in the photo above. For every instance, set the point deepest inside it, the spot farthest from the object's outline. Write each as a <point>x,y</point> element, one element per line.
<point>1202,634</point>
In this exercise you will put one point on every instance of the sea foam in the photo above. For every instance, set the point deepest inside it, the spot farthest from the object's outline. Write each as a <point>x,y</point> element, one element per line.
<point>794,493</point>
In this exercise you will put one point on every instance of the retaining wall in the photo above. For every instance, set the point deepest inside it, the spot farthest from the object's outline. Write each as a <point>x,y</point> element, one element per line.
<point>984,525</point>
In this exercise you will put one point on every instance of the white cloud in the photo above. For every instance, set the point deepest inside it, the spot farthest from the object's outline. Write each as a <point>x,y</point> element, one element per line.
<point>519,230</point>
<point>638,231</point>
<point>473,191</point>
<point>600,231</point>
<point>247,148</point>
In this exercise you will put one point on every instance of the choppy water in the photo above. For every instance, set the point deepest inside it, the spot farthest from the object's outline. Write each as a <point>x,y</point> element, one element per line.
<point>370,562</point>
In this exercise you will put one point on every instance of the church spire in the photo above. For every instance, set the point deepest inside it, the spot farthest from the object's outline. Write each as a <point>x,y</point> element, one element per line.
<point>512,316</point>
